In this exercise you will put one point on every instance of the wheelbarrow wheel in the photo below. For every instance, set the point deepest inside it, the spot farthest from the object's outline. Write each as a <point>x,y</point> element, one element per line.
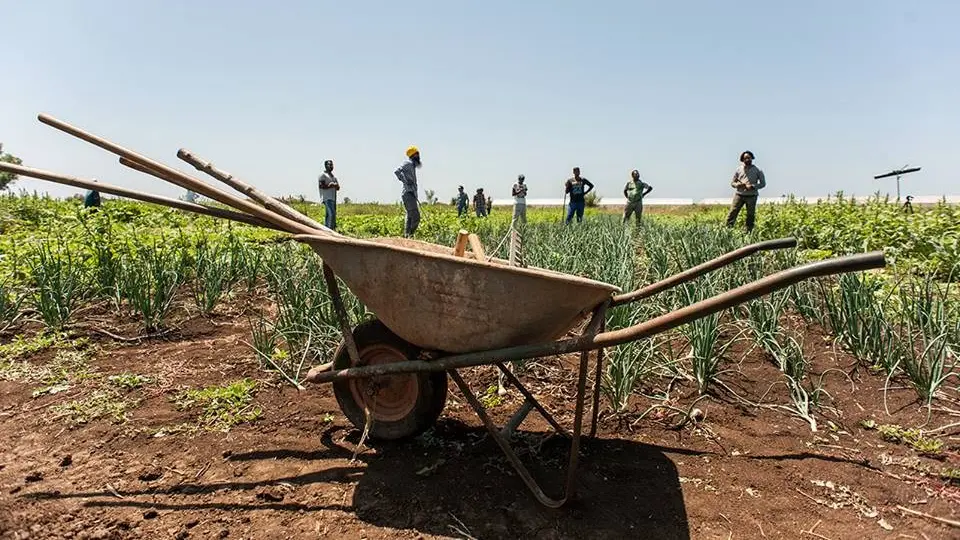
<point>403,405</point>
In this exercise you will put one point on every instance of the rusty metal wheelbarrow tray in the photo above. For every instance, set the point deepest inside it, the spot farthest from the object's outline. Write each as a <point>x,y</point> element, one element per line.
<point>439,301</point>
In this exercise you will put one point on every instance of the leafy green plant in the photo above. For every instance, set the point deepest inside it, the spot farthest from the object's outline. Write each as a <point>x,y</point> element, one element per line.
<point>222,407</point>
<point>129,381</point>
<point>911,437</point>
<point>104,403</point>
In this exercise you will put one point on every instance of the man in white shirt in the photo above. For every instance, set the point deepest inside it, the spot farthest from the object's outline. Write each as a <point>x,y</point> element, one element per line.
<point>329,186</point>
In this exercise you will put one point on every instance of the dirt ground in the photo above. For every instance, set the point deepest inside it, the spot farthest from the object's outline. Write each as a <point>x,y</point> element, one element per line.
<point>741,472</point>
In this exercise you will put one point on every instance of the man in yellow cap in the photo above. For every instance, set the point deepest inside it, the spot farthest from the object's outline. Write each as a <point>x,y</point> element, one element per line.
<point>407,174</point>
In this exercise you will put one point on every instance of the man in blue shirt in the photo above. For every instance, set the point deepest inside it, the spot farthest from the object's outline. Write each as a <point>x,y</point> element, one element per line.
<point>577,187</point>
<point>407,174</point>
<point>463,201</point>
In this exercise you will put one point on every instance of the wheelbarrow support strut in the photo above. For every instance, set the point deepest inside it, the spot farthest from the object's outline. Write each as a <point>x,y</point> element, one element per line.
<point>502,437</point>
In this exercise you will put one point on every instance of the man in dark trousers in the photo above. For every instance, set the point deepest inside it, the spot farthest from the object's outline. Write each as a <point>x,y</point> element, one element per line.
<point>748,180</point>
<point>635,190</point>
<point>480,203</point>
<point>463,201</point>
<point>406,173</point>
<point>577,187</point>
<point>329,186</point>
<point>92,199</point>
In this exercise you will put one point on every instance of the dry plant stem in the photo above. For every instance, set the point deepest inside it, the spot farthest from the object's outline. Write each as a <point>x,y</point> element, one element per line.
<point>811,533</point>
<point>131,339</point>
<point>366,430</point>
<point>270,361</point>
<point>944,428</point>
<point>944,521</point>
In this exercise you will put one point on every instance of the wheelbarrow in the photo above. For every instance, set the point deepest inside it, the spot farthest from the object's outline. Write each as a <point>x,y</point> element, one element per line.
<point>439,310</point>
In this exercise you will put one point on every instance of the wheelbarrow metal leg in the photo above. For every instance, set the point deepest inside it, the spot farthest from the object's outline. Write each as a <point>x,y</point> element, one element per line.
<point>577,425</point>
<point>528,398</point>
<point>503,442</point>
<point>597,378</point>
<point>517,418</point>
<point>342,317</point>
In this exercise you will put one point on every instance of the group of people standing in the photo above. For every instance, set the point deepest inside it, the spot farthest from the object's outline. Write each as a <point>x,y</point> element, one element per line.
<point>482,204</point>
<point>406,173</point>
<point>747,180</point>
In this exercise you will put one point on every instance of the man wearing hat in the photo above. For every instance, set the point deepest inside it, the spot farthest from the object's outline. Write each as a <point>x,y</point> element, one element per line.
<point>520,201</point>
<point>329,186</point>
<point>407,174</point>
<point>480,203</point>
<point>748,180</point>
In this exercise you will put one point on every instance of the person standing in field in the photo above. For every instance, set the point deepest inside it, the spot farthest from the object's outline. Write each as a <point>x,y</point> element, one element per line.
<point>520,201</point>
<point>577,187</point>
<point>329,186</point>
<point>748,180</point>
<point>462,201</point>
<point>407,174</point>
<point>480,203</point>
<point>635,190</point>
<point>92,199</point>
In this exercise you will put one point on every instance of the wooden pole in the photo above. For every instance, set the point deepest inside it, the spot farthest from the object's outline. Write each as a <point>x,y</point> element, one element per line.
<point>267,201</point>
<point>131,194</point>
<point>176,177</point>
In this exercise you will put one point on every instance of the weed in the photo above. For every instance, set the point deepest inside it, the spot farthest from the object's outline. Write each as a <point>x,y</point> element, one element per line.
<point>490,398</point>
<point>100,404</point>
<point>129,381</point>
<point>222,407</point>
<point>911,437</point>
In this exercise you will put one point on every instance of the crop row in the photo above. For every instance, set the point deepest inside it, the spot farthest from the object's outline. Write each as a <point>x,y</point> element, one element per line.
<point>136,262</point>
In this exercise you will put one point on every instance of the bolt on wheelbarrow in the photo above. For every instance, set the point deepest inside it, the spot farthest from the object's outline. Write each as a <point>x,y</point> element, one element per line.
<point>439,311</point>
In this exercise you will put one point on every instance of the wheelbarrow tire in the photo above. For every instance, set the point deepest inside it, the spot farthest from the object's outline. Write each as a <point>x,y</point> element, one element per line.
<point>409,404</point>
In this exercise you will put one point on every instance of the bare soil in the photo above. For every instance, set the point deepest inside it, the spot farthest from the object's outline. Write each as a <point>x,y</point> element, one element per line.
<point>742,471</point>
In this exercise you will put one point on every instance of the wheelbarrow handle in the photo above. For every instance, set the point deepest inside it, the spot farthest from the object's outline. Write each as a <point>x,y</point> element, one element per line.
<point>703,268</point>
<point>704,308</point>
<point>740,295</point>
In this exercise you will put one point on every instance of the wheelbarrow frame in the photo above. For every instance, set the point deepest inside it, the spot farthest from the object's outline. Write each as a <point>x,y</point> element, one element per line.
<point>276,215</point>
<point>592,339</point>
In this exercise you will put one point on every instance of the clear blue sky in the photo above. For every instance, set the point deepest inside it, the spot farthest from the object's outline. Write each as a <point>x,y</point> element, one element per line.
<point>826,93</point>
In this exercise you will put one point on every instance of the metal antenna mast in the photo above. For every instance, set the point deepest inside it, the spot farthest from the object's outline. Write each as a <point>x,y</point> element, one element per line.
<point>898,173</point>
